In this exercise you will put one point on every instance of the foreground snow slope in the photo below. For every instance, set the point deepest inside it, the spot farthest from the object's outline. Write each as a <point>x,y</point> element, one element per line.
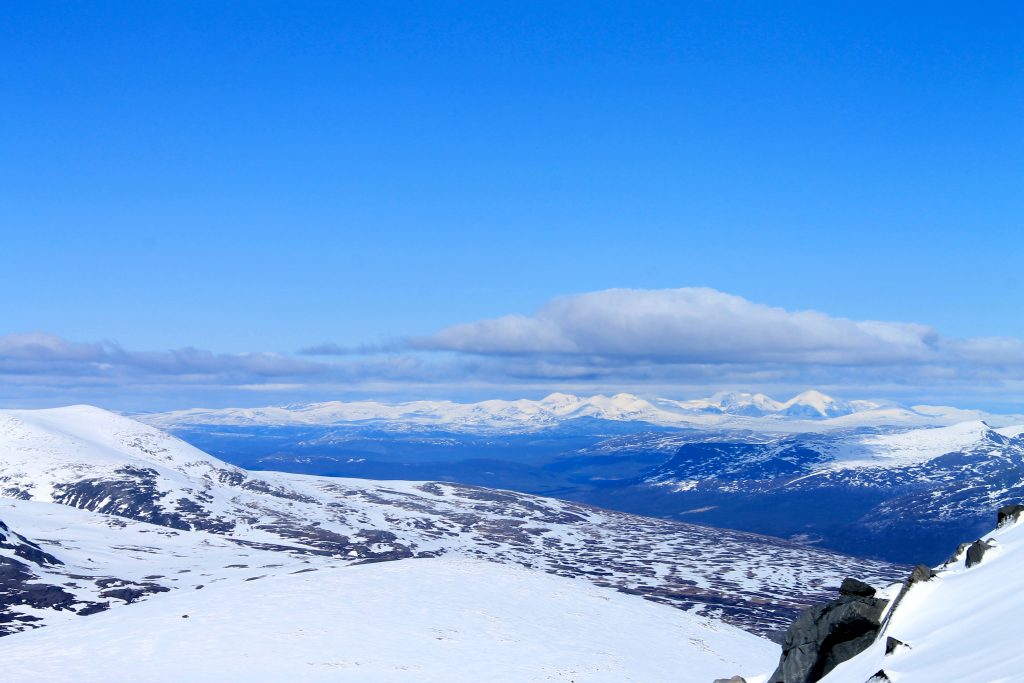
<point>427,620</point>
<point>189,509</point>
<point>963,625</point>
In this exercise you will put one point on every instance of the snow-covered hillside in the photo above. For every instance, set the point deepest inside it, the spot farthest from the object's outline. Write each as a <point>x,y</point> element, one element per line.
<point>432,620</point>
<point>809,455</point>
<point>806,412</point>
<point>212,521</point>
<point>900,494</point>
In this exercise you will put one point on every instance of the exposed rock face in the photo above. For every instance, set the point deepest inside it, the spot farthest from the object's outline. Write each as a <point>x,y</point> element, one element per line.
<point>24,548</point>
<point>920,574</point>
<point>893,644</point>
<point>826,635</point>
<point>734,679</point>
<point>976,552</point>
<point>856,587</point>
<point>1009,513</point>
<point>33,578</point>
<point>956,554</point>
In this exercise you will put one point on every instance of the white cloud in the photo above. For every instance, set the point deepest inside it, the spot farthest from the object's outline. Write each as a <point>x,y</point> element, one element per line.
<point>40,353</point>
<point>679,343</point>
<point>690,325</point>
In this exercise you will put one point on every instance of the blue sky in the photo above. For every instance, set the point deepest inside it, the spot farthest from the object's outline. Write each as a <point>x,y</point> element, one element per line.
<point>261,178</point>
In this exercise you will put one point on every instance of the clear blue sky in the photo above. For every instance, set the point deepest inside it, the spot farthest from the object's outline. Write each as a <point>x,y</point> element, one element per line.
<point>242,176</point>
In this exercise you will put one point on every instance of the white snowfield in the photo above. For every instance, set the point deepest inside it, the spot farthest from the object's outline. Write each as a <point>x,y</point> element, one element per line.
<point>811,411</point>
<point>431,620</point>
<point>916,446</point>
<point>964,626</point>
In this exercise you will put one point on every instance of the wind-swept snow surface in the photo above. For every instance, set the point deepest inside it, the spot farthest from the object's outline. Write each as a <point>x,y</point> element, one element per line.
<point>963,625</point>
<point>432,620</point>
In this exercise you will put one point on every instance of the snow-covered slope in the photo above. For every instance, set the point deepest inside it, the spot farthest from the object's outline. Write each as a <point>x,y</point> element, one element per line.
<point>901,494</point>
<point>962,625</point>
<point>809,411</point>
<point>433,620</point>
<point>895,449</point>
<point>757,456</point>
<point>205,513</point>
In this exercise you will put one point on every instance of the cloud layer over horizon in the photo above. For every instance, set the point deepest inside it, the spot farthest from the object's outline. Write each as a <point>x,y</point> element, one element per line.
<point>689,325</point>
<point>687,339</point>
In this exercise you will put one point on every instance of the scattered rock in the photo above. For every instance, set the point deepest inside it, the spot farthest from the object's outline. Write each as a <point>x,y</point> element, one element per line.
<point>956,554</point>
<point>880,677</point>
<point>921,574</point>
<point>1009,514</point>
<point>132,593</point>
<point>734,679</point>
<point>856,587</point>
<point>184,616</point>
<point>891,644</point>
<point>93,608</point>
<point>976,552</point>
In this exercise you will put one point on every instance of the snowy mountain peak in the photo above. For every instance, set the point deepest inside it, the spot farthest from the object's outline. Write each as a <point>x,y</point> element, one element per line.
<point>557,399</point>
<point>816,404</point>
<point>41,449</point>
<point>742,403</point>
<point>921,445</point>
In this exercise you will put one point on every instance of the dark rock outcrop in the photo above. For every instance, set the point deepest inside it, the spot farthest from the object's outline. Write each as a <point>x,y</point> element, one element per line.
<point>24,548</point>
<point>856,588</point>
<point>921,574</point>
<point>892,644</point>
<point>976,552</point>
<point>1009,514</point>
<point>956,554</point>
<point>19,586</point>
<point>734,679</point>
<point>825,635</point>
<point>135,493</point>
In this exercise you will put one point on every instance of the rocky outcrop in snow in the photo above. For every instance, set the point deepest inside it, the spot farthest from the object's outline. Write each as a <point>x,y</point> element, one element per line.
<point>825,635</point>
<point>947,624</point>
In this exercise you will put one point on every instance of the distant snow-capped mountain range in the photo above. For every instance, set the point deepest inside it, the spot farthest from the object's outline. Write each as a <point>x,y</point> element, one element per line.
<point>807,412</point>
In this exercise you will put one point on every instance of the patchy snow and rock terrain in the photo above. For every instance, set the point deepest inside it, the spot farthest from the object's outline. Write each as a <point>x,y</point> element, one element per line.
<point>200,520</point>
<point>925,475</point>
<point>903,494</point>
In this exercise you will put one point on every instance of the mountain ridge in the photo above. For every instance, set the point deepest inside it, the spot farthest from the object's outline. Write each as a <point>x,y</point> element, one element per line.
<point>807,411</point>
